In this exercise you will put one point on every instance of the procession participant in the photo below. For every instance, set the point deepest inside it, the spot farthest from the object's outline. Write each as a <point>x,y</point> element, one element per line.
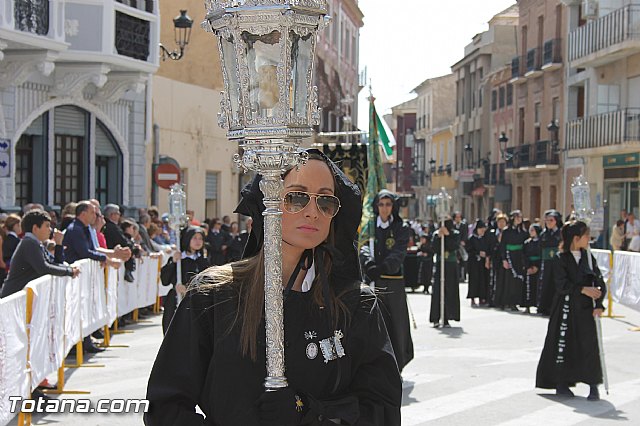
<point>478,268</point>
<point>532,261</point>
<point>513,238</point>
<point>425,262</point>
<point>451,277</point>
<point>193,262</point>
<point>571,352</point>
<point>339,362</point>
<point>384,268</point>
<point>549,242</point>
<point>494,262</point>
<point>460,225</point>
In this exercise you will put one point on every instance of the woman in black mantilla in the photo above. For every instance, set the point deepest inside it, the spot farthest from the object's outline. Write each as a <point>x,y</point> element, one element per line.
<point>532,262</point>
<point>384,268</point>
<point>571,352</point>
<point>496,271</point>
<point>339,362</point>
<point>549,241</point>
<point>451,277</point>
<point>193,262</point>
<point>511,249</point>
<point>478,271</point>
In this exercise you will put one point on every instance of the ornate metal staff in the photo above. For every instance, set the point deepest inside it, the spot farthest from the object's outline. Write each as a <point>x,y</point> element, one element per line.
<point>582,209</point>
<point>269,104</point>
<point>178,219</point>
<point>443,209</point>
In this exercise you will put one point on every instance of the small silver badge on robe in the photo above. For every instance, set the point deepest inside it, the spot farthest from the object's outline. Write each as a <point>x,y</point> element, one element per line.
<point>337,335</point>
<point>312,351</point>
<point>310,335</point>
<point>331,347</point>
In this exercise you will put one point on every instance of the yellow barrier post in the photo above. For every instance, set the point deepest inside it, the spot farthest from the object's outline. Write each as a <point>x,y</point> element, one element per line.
<point>25,418</point>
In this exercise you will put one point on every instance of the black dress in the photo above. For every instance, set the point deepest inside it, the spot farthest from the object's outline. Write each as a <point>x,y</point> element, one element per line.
<point>549,242</point>
<point>425,265</point>
<point>573,357</point>
<point>216,240</point>
<point>511,249</point>
<point>451,279</point>
<point>496,273</point>
<point>478,274</point>
<point>168,274</point>
<point>199,363</point>
<point>532,257</point>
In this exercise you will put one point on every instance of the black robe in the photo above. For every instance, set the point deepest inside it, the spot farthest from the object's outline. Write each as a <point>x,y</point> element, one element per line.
<point>425,265</point>
<point>478,274</point>
<point>549,242</point>
<point>511,250</point>
<point>496,273</point>
<point>532,257</point>
<point>200,363</point>
<point>168,274</point>
<point>216,240</point>
<point>451,279</point>
<point>580,359</point>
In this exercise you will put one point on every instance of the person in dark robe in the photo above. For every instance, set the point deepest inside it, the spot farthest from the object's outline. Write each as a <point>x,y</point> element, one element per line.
<point>425,263</point>
<point>384,268</point>
<point>340,366</point>
<point>236,243</point>
<point>571,352</point>
<point>549,242</point>
<point>451,277</point>
<point>193,262</point>
<point>511,250</point>
<point>496,271</point>
<point>532,261</point>
<point>477,264</point>
<point>217,243</point>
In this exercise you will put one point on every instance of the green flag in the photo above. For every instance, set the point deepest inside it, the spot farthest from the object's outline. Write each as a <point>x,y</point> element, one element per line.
<point>376,179</point>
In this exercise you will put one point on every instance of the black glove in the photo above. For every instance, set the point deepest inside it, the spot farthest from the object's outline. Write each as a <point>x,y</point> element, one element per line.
<point>373,272</point>
<point>283,407</point>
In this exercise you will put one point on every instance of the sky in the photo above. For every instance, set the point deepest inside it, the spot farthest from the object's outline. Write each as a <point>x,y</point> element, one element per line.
<point>404,42</point>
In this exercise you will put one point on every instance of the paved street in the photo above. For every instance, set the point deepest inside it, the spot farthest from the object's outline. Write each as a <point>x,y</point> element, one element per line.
<point>478,372</point>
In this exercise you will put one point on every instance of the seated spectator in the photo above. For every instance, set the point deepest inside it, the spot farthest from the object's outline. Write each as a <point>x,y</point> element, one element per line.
<point>30,261</point>
<point>10,243</point>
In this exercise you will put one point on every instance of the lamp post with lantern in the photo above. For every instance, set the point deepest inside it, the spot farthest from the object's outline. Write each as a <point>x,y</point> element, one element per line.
<point>269,104</point>
<point>182,29</point>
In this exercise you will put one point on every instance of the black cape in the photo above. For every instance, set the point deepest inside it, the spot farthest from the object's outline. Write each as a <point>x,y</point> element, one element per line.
<point>478,273</point>
<point>451,279</point>
<point>579,359</point>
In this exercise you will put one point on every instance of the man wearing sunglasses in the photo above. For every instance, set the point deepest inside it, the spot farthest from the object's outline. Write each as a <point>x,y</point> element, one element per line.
<point>384,268</point>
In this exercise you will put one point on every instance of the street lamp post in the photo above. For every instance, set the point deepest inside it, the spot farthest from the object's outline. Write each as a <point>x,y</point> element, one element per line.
<point>269,104</point>
<point>182,33</point>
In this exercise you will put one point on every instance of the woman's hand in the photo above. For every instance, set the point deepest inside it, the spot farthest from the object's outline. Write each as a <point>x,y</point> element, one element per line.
<point>444,230</point>
<point>282,407</point>
<point>181,289</point>
<point>176,256</point>
<point>505,264</point>
<point>598,312</point>
<point>592,292</point>
<point>483,253</point>
<point>487,263</point>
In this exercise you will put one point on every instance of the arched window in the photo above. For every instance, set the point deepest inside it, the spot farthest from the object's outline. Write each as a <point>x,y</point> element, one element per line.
<point>70,128</point>
<point>108,172</point>
<point>31,171</point>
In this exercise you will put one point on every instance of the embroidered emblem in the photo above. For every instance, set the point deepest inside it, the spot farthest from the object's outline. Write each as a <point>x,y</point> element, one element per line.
<point>551,253</point>
<point>390,243</point>
<point>312,351</point>
<point>337,335</point>
<point>310,335</point>
<point>331,347</point>
<point>299,404</point>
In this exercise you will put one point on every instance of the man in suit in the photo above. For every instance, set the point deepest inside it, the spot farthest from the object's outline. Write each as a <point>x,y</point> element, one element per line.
<point>29,260</point>
<point>115,237</point>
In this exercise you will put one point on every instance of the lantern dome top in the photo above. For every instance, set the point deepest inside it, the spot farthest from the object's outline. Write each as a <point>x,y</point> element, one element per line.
<point>215,7</point>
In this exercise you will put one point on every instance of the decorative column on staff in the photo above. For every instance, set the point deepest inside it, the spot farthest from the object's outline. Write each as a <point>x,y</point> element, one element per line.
<point>583,212</point>
<point>269,104</point>
<point>177,220</point>
<point>443,210</point>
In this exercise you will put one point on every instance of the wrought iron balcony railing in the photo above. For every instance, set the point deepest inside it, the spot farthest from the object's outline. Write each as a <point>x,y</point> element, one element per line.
<point>534,59</point>
<point>541,153</point>
<point>611,128</point>
<point>494,174</point>
<point>132,36</point>
<point>614,28</point>
<point>32,16</point>
<point>552,53</point>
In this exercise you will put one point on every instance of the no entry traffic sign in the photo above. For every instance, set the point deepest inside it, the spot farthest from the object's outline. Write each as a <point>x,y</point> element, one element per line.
<point>166,175</point>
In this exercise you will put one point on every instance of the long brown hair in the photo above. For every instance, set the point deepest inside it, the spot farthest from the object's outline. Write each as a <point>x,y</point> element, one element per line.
<point>246,280</point>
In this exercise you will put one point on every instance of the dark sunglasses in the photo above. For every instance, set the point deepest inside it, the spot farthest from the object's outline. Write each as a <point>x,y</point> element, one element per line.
<point>296,201</point>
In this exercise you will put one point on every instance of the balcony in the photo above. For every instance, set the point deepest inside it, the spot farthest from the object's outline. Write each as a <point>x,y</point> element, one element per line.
<point>607,39</point>
<point>32,25</point>
<point>551,55</point>
<point>604,130</point>
<point>494,174</point>
<point>517,70</point>
<point>533,157</point>
<point>534,63</point>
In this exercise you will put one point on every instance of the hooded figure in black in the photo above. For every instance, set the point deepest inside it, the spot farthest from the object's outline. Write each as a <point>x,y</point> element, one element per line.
<point>193,262</point>
<point>511,250</point>
<point>339,362</point>
<point>478,251</point>
<point>451,277</point>
<point>571,352</point>
<point>384,268</point>
<point>549,242</point>
<point>532,261</point>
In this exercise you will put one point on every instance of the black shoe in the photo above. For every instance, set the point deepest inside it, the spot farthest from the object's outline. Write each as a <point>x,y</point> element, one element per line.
<point>98,334</point>
<point>38,394</point>
<point>563,390</point>
<point>513,308</point>
<point>594,394</point>
<point>93,349</point>
<point>436,325</point>
<point>128,276</point>
<point>447,325</point>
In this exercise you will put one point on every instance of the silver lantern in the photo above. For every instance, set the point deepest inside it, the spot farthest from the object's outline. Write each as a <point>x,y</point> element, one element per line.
<point>443,205</point>
<point>582,199</point>
<point>269,104</point>
<point>177,220</point>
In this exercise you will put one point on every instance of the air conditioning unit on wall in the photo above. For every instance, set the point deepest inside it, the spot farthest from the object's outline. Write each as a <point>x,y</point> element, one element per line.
<point>590,9</point>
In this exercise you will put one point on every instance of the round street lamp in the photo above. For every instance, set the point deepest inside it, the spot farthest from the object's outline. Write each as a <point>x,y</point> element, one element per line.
<point>468,154</point>
<point>182,34</point>
<point>269,104</point>
<point>432,166</point>
<point>503,140</point>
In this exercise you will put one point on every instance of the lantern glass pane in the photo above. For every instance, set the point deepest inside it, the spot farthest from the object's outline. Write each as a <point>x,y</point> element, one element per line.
<point>231,70</point>
<point>263,55</point>
<point>301,62</point>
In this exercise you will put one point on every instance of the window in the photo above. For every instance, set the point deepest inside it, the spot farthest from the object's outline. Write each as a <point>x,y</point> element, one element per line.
<point>555,108</point>
<point>354,49</point>
<point>608,98</point>
<point>501,97</point>
<point>211,194</point>
<point>24,169</point>
<point>68,169</point>
<point>102,179</point>
<point>509,94</point>
<point>494,100</point>
<point>536,114</point>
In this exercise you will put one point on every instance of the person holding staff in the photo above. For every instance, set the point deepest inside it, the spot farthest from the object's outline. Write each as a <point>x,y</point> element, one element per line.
<point>451,278</point>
